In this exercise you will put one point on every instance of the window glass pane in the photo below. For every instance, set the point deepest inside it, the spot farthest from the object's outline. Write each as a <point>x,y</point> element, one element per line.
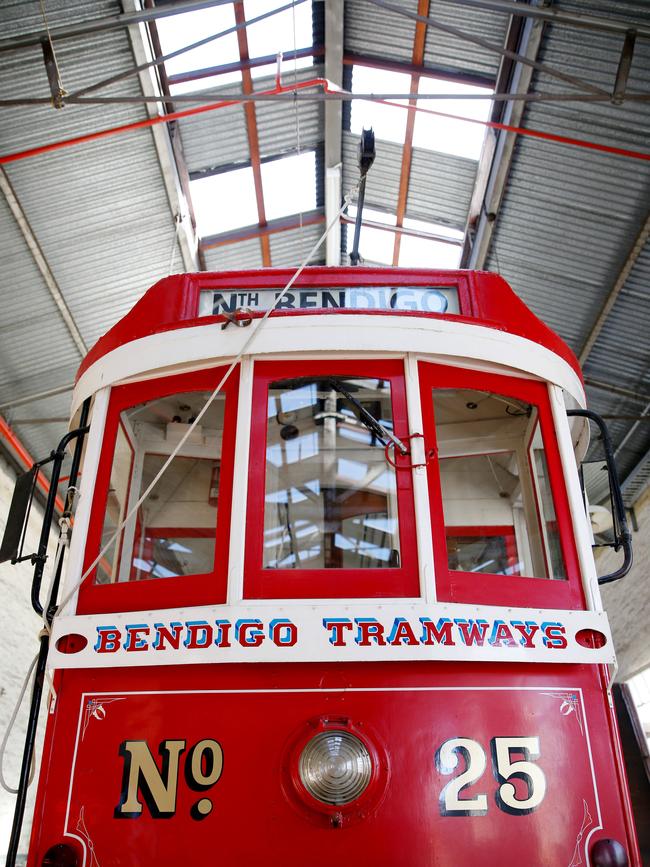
<point>331,499</point>
<point>173,531</point>
<point>497,502</point>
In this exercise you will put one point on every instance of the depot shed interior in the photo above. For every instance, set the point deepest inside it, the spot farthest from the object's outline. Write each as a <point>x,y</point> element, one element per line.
<point>510,136</point>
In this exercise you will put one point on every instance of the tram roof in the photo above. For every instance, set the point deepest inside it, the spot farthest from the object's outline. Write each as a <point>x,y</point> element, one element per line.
<point>483,299</point>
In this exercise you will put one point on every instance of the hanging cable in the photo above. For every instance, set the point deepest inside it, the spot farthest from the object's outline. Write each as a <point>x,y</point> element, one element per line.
<point>12,719</point>
<point>172,256</point>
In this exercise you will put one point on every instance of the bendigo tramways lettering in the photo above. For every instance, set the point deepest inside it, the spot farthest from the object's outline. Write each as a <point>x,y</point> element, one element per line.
<point>249,633</point>
<point>144,781</point>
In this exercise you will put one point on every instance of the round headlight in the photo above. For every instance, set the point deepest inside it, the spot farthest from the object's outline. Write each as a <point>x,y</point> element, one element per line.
<point>335,767</point>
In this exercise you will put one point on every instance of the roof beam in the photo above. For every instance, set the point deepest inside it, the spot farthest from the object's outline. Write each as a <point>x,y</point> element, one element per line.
<point>624,273</point>
<point>253,135</point>
<point>620,390</point>
<point>39,395</point>
<point>348,58</point>
<point>239,65</point>
<point>333,126</point>
<point>41,262</point>
<point>407,151</point>
<point>413,233</point>
<point>247,233</point>
<point>170,156</point>
<point>496,160</point>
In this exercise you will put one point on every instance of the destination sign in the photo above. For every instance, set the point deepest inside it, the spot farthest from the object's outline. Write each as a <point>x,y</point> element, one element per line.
<point>419,299</point>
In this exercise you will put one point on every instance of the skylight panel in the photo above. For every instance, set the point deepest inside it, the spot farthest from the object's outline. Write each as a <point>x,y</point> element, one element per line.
<point>276,34</point>
<point>423,253</point>
<point>375,245</point>
<point>224,202</point>
<point>443,134</point>
<point>177,31</point>
<point>434,229</point>
<point>373,216</point>
<point>388,122</point>
<point>289,185</point>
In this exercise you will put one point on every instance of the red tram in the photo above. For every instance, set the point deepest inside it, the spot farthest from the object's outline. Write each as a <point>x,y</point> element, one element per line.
<point>330,595</point>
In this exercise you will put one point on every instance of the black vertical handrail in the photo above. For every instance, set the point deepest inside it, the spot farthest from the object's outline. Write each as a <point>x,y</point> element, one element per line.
<point>623,536</point>
<point>44,638</point>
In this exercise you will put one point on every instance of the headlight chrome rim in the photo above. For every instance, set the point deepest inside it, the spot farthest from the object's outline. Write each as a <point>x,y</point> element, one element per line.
<point>335,767</point>
<point>366,799</point>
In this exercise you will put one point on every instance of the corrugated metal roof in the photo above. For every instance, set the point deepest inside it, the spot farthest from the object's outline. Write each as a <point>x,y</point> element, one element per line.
<point>439,191</point>
<point>242,255</point>
<point>99,211</point>
<point>371,30</point>
<point>26,16</point>
<point>27,312</point>
<point>219,138</point>
<point>42,436</point>
<point>289,249</point>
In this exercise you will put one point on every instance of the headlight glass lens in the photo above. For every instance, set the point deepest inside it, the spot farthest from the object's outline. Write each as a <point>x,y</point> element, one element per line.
<point>335,767</point>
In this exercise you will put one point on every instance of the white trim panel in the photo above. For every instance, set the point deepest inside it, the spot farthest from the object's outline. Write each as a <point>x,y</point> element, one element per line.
<point>331,631</point>
<point>88,476</point>
<point>203,345</point>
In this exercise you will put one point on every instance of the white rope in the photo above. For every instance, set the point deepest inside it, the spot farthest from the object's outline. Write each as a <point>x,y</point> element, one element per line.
<point>62,543</point>
<point>172,257</point>
<point>258,324</point>
<point>3,747</point>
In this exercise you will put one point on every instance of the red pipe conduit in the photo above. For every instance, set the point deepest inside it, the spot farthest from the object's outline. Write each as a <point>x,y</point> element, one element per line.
<point>328,87</point>
<point>24,458</point>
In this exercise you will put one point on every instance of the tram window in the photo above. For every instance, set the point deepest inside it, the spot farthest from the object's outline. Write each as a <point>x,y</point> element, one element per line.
<point>497,503</point>
<point>173,532</point>
<point>330,495</point>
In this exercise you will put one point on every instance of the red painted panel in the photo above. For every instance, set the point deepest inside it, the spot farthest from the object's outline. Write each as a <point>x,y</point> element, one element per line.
<point>256,714</point>
<point>484,299</point>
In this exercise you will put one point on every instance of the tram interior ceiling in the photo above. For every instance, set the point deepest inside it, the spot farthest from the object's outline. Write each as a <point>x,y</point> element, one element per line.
<point>415,145</point>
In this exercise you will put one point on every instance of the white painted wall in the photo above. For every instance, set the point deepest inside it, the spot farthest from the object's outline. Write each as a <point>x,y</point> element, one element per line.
<point>19,626</point>
<point>627,601</point>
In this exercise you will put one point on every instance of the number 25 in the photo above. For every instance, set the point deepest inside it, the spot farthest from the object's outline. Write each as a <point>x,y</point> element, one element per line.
<point>504,769</point>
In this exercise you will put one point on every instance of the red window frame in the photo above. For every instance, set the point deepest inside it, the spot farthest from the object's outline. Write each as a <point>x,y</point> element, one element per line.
<point>506,532</point>
<point>489,589</point>
<point>182,591</point>
<point>260,583</point>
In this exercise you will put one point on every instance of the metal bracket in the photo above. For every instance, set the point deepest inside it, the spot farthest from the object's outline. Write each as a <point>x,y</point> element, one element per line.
<point>236,319</point>
<point>429,454</point>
